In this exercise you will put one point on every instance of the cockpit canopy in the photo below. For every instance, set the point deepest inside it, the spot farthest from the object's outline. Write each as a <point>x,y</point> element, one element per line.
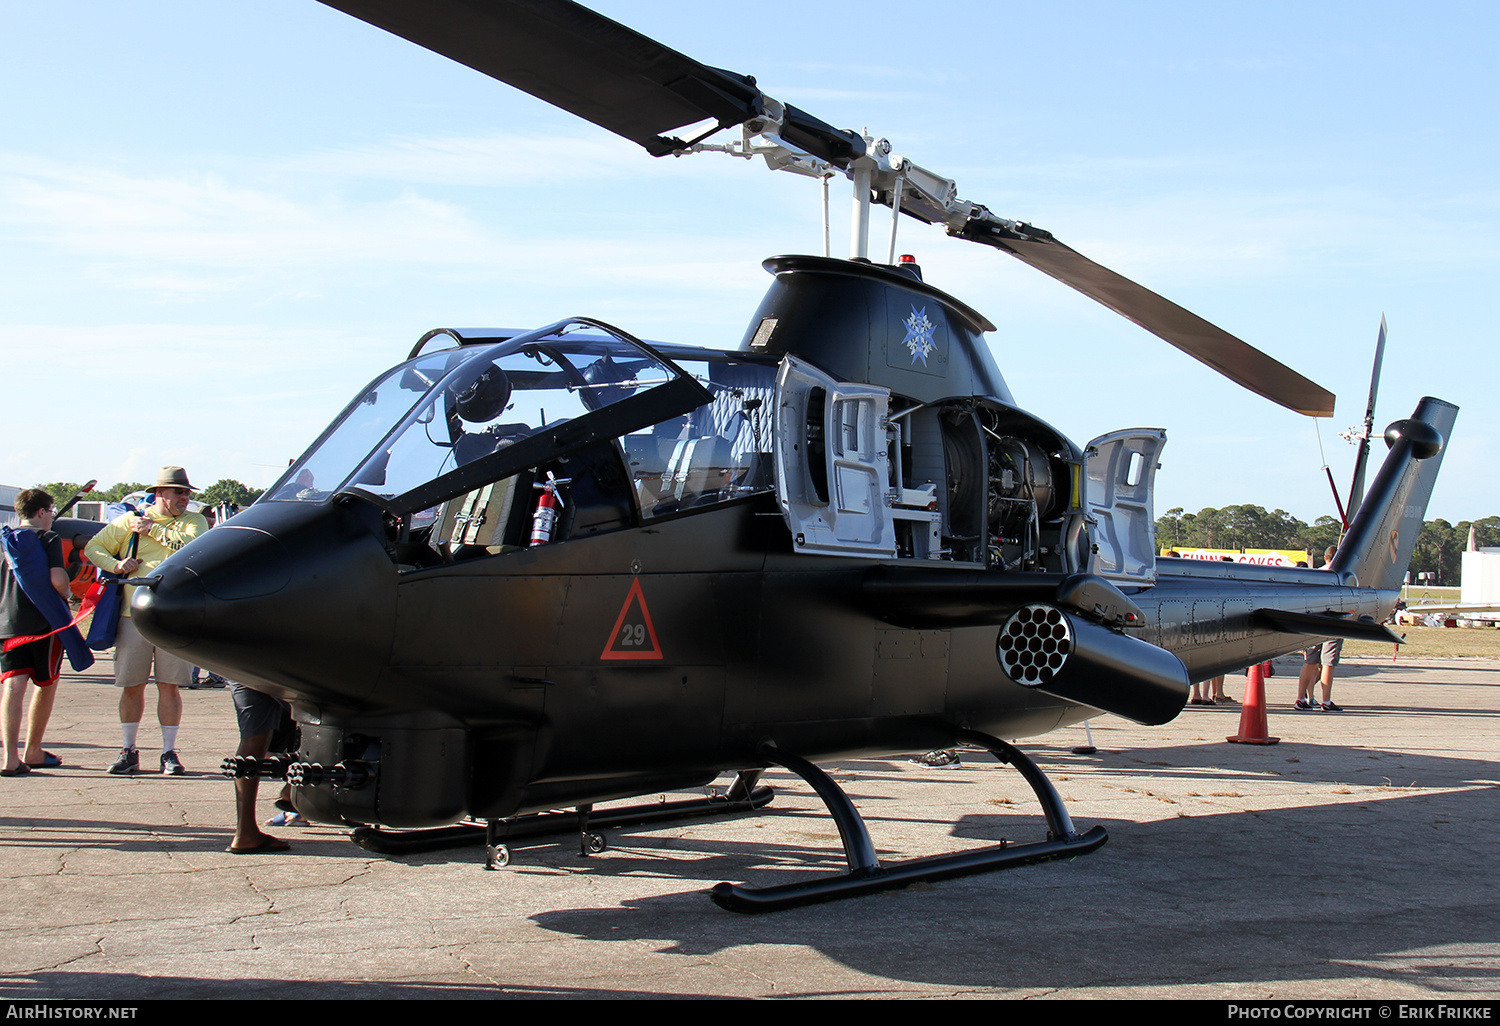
<point>449,422</point>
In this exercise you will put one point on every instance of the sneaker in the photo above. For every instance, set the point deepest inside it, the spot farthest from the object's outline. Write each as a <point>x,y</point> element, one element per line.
<point>171,766</point>
<point>128,762</point>
<point>1330,707</point>
<point>1303,703</point>
<point>940,759</point>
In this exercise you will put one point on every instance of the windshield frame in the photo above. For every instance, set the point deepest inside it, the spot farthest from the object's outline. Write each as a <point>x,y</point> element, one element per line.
<point>314,450</point>
<point>681,394</point>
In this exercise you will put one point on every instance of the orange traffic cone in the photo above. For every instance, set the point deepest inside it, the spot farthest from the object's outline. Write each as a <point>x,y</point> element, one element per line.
<point>1253,711</point>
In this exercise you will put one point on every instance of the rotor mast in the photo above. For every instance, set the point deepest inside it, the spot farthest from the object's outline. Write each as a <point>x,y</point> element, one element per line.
<point>876,175</point>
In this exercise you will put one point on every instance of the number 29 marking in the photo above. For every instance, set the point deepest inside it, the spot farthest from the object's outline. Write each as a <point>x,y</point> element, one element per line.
<point>633,635</point>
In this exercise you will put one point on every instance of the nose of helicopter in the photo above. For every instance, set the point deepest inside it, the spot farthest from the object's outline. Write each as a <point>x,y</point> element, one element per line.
<point>171,613</point>
<point>207,593</point>
<point>299,595</point>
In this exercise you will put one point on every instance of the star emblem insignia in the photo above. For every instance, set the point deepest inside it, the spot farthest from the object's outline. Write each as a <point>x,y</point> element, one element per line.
<point>918,338</point>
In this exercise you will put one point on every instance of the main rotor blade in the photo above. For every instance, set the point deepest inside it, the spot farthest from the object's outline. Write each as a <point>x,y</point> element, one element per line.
<point>637,88</point>
<point>574,59</point>
<point>1238,361</point>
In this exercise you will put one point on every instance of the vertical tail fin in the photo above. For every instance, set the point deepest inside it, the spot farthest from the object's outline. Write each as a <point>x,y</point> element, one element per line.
<point>1379,544</point>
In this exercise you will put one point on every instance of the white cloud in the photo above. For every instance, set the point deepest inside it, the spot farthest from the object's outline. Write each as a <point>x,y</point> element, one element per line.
<point>224,401</point>
<point>181,236</point>
<point>497,160</point>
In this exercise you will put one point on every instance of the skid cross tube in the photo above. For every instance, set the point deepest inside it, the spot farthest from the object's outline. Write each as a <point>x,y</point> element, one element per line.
<point>1059,823</point>
<point>743,797</point>
<point>866,875</point>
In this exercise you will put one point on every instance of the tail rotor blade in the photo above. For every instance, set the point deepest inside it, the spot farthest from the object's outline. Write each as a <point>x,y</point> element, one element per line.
<point>1357,488</point>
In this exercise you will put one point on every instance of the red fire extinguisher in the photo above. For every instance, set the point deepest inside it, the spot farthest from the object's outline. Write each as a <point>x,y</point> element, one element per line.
<point>544,520</point>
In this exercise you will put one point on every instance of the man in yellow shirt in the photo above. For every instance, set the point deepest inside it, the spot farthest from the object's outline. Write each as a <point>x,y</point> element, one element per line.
<point>159,530</point>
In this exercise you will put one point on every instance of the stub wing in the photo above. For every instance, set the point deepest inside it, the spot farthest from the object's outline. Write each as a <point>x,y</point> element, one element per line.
<point>1326,625</point>
<point>919,598</point>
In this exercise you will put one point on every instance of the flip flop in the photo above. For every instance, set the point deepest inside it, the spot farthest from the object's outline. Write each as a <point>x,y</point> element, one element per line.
<point>286,819</point>
<point>49,761</point>
<point>267,845</point>
<point>19,771</point>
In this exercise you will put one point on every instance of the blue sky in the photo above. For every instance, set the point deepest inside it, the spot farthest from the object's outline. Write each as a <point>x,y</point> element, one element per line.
<point>218,221</point>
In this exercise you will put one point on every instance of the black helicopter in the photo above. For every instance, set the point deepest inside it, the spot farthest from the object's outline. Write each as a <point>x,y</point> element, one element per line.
<point>532,571</point>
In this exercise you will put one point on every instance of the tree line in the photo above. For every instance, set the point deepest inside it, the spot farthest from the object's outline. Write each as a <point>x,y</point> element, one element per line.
<point>226,490</point>
<point>1252,527</point>
<point>1233,527</point>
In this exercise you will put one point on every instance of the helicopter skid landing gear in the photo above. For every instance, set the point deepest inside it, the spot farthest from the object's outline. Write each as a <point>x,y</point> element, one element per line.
<point>866,875</point>
<point>742,797</point>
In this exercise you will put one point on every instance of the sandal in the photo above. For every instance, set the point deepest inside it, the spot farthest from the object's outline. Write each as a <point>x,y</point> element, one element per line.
<point>267,845</point>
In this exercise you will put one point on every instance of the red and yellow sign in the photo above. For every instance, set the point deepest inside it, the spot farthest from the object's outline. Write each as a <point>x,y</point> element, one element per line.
<point>1260,557</point>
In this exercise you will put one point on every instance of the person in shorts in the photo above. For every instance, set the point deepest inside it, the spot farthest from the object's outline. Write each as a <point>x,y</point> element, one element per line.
<point>1317,665</point>
<point>160,530</point>
<point>37,662</point>
<point>1318,662</point>
<point>260,716</point>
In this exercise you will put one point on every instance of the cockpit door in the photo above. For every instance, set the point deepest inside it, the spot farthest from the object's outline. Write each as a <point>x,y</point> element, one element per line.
<point>832,463</point>
<point>1119,472</point>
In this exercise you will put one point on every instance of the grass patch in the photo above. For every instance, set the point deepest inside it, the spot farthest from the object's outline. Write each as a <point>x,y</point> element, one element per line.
<point>1416,596</point>
<point>1434,643</point>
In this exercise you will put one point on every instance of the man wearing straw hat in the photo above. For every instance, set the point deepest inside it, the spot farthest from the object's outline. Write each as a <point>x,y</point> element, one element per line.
<point>159,530</point>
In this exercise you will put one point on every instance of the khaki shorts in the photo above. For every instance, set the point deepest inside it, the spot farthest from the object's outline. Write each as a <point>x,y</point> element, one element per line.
<point>1326,654</point>
<point>134,655</point>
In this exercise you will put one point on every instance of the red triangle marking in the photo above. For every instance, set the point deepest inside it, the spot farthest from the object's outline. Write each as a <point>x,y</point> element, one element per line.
<point>628,638</point>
